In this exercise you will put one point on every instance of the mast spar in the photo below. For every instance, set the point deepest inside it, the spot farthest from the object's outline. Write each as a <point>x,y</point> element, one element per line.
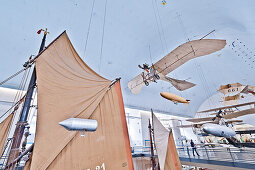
<point>20,126</point>
<point>151,142</point>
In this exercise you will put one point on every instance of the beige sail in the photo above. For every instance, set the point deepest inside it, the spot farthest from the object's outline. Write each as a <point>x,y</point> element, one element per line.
<point>172,160</point>
<point>67,88</point>
<point>142,163</point>
<point>4,129</point>
<point>165,146</point>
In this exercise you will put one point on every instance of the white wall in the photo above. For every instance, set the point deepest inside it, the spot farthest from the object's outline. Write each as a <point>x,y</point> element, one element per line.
<point>138,121</point>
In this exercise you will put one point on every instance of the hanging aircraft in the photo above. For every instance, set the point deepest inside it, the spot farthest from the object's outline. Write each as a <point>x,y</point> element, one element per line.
<point>233,92</point>
<point>174,98</point>
<point>219,125</point>
<point>172,61</point>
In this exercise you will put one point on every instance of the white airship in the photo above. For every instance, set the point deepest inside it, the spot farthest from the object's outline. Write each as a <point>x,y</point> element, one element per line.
<point>77,124</point>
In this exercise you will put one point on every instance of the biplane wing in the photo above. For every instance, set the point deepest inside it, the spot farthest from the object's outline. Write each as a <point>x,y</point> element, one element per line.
<point>248,89</point>
<point>239,113</point>
<point>198,125</point>
<point>186,52</point>
<point>180,85</point>
<point>231,88</point>
<point>195,120</point>
<point>226,116</point>
<point>227,107</point>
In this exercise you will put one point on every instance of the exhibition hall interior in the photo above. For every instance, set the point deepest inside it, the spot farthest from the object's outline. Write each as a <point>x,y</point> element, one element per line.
<point>127,85</point>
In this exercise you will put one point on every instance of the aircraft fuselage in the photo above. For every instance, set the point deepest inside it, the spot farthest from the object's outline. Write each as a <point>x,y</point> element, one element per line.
<point>218,130</point>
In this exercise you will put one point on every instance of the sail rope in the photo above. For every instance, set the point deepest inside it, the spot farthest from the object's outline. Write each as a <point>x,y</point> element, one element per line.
<point>27,65</point>
<point>18,99</point>
<point>102,41</point>
<point>22,85</point>
<point>87,37</point>
<point>12,76</point>
<point>15,104</point>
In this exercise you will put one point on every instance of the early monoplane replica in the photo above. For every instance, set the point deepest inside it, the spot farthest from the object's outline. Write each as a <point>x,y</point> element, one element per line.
<point>173,60</point>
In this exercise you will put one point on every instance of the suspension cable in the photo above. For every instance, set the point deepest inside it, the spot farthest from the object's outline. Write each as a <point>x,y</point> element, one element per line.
<point>102,41</point>
<point>90,20</point>
<point>160,37</point>
<point>160,22</point>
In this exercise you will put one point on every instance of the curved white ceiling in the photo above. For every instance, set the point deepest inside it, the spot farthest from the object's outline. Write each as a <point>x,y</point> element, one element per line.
<point>130,28</point>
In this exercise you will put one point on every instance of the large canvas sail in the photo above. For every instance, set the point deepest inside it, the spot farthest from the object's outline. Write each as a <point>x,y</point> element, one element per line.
<point>142,163</point>
<point>67,88</point>
<point>165,146</point>
<point>4,129</point>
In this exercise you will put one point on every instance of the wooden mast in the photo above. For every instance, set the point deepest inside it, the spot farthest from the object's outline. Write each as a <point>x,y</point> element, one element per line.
<point>20,126</point>
<point>151,142</point>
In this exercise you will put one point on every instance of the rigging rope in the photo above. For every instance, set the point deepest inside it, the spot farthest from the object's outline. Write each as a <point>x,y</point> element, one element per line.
<point>90,20</point>
<point>17,103</point>
<point>18,99</point>
<point>102,42</point>
<point>12,76</point>
<point>27,65</point>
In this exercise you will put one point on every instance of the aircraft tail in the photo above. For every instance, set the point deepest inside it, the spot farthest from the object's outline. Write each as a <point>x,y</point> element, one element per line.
<point>232,142</point>
<point>180,85</point>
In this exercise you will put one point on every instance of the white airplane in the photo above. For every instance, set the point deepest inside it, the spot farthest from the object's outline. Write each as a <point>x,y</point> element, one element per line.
<point>218,125</point>
<point>173,60</point>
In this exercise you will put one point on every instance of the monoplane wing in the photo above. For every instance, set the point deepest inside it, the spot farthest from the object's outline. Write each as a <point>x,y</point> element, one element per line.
<point>136,84</point>
<point>180,85</point>
<point>186,52</point>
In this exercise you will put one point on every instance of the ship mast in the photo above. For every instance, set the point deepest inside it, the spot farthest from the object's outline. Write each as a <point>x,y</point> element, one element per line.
<point>151,142</point>
<point>20,126</point>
